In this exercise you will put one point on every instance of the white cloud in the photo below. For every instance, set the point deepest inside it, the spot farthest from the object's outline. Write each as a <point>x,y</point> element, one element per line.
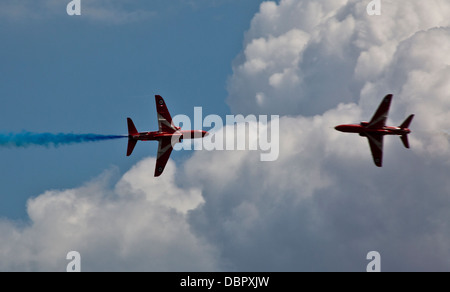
<point>138,224</point>
<point>324,205</point>
<point>295,47</point>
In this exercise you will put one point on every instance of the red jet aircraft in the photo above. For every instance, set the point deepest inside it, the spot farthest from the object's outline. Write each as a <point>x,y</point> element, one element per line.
<point>167,136</point>
<point>376,129</point>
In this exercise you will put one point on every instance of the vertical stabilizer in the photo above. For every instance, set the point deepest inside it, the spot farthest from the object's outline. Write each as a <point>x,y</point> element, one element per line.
<point>407,122</point>
<point>131,128</point>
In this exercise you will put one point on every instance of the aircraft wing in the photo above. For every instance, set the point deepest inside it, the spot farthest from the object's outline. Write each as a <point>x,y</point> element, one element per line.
<point>164,151</point>
<point>164,119</point>
<point>380,116</point>
<point>376,147</point>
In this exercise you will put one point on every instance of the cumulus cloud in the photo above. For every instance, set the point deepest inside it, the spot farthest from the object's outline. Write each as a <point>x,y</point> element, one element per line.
<point>305,57</point>
<point>323,205</point>
<point>134,224</point>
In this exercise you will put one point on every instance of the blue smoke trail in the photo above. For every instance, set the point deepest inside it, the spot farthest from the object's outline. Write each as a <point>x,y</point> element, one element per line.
<point>26,139</point>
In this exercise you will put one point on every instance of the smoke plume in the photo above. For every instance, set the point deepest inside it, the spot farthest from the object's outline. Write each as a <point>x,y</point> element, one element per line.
<point>26,139</point>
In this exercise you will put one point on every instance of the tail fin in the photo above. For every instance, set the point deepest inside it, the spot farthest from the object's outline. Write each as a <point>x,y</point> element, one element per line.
<point>405,140</point>
<point>131,145</point>
<point>407,122</point>
<point>131,131</point>
<point>405,125</point>
<point>131,128</point>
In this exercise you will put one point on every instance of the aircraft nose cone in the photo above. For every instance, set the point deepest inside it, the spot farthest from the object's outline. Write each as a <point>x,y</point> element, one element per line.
<point>343,128</point>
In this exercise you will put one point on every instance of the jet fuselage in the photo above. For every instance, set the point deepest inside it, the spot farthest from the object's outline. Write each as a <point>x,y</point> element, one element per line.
<point>363,128</point>
<point>179,135</point>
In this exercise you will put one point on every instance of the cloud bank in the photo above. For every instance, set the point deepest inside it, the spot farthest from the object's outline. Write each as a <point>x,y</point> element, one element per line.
<point>135,224</point>
<point>323,205</point>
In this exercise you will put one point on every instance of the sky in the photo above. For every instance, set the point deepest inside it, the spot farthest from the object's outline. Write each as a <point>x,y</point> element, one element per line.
<point>88,74</point>
<point>321,206</point>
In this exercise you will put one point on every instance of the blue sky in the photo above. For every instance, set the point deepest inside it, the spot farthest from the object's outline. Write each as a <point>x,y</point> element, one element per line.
<point>84,74</point>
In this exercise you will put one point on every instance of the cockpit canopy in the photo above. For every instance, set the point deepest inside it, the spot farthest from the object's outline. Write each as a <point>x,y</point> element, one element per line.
<point>364,124</point>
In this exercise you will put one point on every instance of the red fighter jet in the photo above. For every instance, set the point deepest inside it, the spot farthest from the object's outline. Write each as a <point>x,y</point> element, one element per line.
<point>167,136</point>
<point>376,129</point>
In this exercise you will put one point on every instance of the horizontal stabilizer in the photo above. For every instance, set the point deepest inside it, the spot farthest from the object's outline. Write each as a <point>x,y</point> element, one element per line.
<point>131,145</point>
<point>405,140</point>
